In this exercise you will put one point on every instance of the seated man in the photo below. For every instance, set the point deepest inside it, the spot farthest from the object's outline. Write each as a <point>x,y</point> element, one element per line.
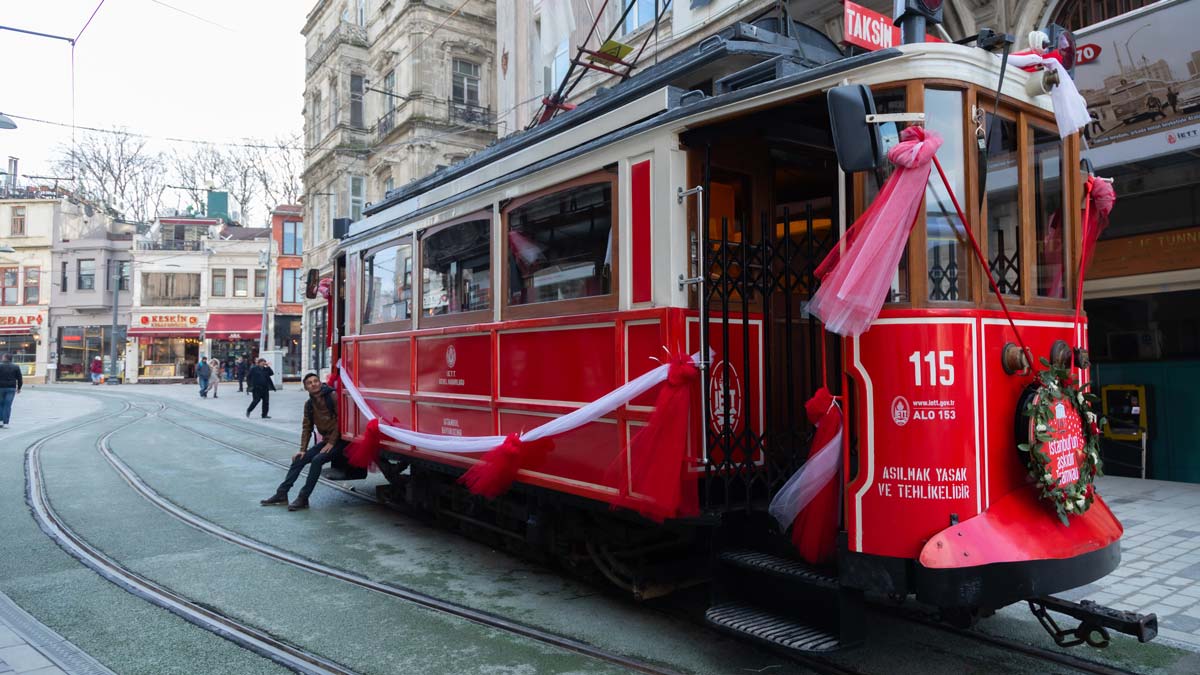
<point>320,411</point>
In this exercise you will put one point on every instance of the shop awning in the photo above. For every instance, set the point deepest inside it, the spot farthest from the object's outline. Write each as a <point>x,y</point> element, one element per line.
<point>15,330</point>
<point>138,331</point>
<point>233,326</point>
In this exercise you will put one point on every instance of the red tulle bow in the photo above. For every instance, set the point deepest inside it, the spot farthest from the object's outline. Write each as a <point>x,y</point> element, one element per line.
<point>364,451</point>
<point>657,458</point>
<point>814,532</point>
<point>496,472</point>
<point>855,284</point>
<point>1101,199</point>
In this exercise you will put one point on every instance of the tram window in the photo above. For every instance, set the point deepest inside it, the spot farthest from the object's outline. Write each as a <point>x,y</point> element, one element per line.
<point>456,269</point>
<point>560,245</point>
<point>1048,212</point>
<point>946,242</point>
<point>388,273</point>
<point>728,204</point>
<point>889,101</point>
<point>1003,206</point>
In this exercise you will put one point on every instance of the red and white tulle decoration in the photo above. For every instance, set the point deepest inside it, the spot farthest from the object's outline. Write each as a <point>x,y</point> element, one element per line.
<point>1070,108</point>
<point>855,284</point>
<point>506,455</point>
<point>1101,199</point>
<point>808,502</point>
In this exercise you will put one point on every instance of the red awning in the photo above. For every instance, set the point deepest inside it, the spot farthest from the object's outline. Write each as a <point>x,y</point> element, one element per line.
<point>15,330</point>
<point>233,326</point>
<point>164,332</point>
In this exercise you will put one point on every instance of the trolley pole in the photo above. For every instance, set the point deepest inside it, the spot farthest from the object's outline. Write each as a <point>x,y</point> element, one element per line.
<point>115,280</point>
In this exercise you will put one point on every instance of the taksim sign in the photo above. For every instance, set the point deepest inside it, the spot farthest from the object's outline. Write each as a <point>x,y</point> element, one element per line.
<point>869,29</point>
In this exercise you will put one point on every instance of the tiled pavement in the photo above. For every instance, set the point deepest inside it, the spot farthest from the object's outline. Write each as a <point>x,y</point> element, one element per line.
<point>28,647</point>
<point>1160,555</point>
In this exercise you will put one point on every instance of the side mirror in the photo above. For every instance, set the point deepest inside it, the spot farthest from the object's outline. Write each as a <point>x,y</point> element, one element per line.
<point>857,143</point>
<point>312,279</point>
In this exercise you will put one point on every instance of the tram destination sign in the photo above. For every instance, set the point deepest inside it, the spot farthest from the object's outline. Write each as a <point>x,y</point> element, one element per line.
<point>869,29</point>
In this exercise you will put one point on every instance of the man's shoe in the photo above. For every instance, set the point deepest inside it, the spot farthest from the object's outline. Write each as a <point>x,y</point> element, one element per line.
<point>266,417</point>
<point>247,414</point>
<point>274,500</point>
<point>300,503</point>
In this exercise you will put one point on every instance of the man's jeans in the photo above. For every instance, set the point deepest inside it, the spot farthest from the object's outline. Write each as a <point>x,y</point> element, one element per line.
<point>317,459</point>
<point>6,401</point>
<point>203,386</point>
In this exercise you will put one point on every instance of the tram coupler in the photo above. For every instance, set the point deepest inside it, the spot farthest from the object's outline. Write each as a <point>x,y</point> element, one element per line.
<point>1095,621</point>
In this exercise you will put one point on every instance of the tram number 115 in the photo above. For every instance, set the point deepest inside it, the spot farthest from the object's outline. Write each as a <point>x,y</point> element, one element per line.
<point>941,371</point>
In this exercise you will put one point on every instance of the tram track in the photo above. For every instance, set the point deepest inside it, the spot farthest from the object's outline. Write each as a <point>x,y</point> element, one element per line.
<point>816,663</point>
<point>426,601</point>
<point>243,635</point>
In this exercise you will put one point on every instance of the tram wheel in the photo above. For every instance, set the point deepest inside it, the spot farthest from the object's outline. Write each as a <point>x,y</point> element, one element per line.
<point>392,471</point>
<point>961,617</point>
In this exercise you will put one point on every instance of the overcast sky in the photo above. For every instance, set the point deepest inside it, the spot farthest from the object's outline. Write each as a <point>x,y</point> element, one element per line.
<point>151,69</point>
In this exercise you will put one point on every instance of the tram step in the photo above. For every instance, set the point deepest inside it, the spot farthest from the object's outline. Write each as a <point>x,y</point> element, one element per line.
<point>771,629</point>
<point>767,563</point>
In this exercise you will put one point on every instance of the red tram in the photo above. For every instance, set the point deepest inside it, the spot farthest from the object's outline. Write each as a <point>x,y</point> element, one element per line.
<point>686,211</point>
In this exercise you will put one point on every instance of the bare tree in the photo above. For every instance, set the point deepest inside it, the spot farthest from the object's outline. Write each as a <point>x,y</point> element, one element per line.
<point>116,168</point>
<point>278,165</point>
<point>195,170</point>
<point>240,180</point>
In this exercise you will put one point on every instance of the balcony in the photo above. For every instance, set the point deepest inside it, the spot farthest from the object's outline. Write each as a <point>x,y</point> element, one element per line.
<point>170,245</point>
<point>346,33</point>
<point>472,115</point>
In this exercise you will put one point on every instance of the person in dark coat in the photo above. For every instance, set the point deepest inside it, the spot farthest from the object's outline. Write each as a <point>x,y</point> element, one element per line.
<point>10,386</point>
<point>243,365</point>
<point>203,373</point>
<point>320,413</point>
<point>259,379</point>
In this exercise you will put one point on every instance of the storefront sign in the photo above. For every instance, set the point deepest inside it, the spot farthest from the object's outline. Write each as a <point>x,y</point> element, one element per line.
<point>1144,91</point>
<point>869,29</point>
<point>169,321</point>
<point>1146,254</point>
<point>22,320</point>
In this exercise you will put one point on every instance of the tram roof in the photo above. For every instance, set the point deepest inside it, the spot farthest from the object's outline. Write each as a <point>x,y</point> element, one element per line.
<point>666,103</point>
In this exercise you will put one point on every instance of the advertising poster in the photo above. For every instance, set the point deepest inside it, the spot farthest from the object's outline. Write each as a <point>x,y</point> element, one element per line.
<point>1140,75</point>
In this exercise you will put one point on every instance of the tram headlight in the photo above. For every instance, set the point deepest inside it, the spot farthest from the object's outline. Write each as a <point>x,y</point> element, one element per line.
<point>1013,359</point>
<point>1060,354</point>
<point>1041,82</point>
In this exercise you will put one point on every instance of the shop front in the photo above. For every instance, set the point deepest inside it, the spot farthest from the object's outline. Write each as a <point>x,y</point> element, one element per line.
<point>232,336</point>
<point>288,337</point>
<point>79,345</point>
<point>168,346</point>
<point>21,336</point>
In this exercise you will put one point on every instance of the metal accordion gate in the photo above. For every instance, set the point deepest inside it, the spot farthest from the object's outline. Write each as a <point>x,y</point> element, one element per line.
<point>761,276</point>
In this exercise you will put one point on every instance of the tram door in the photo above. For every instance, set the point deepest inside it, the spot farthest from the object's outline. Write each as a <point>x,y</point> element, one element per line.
<point>770,199</point>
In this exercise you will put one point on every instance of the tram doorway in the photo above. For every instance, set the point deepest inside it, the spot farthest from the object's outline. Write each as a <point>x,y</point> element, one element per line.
<point>770,200</point>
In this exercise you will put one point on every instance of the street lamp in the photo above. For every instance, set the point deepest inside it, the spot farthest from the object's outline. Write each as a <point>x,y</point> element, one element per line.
<point>264,261</point>
<point>6,122</point>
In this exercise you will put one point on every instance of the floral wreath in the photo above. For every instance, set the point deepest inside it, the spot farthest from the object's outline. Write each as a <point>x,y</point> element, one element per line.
<point>1055,384</point>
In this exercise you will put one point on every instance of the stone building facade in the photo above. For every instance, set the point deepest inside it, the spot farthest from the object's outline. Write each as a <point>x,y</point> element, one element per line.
<point>393,90</point>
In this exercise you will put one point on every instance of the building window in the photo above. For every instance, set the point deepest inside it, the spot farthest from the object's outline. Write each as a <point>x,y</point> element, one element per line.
<point>126,274</point>
<point>642,12</point>
<point>389,85</point>
<point>558,68</point>
<point>560,245</point>
<point>389,185</point>
<point>260,283</point>
<point>360,13</point>
<point>290,287</point>
<point>356,101</point>
<point>241,284</point>
<point>123,271</point>
<point>10,286</point>
<point>62,283</point>
<point>217,285</point>
<point>162,289</point>
<point>318,219</point>
<point>293,238</point>
<point>466,82</point>
<point>358,197</point>
<point>335,108</point>
<point>456,269</point>
<point>18,221</point>
<point>33,285</point>
<point>86,278</point>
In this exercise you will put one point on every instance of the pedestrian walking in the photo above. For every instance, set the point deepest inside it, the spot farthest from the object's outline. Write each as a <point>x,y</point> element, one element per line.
<point>320,412</point>
<point>10,386</point>
<point>1172,100</point>
<point>96,367</point>
<point>203,373</point>
<point>217,374</point>
<point>242,366</point>
<point>258,378</point>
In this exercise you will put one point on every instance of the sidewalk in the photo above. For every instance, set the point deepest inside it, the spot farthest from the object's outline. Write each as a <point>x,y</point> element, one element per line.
<point>1160,555</point>
<point>287,403</point>
<point>28,647</point>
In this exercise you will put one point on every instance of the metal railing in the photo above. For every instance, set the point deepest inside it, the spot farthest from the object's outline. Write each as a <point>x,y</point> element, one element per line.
<point>347,33</point>
<point>471,115</point>
<point>171,245</point>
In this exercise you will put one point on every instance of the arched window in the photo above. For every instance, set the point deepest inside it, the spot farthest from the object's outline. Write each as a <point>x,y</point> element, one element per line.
<point>1077,14</point>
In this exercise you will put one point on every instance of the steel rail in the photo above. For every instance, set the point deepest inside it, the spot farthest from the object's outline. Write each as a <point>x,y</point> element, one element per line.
<point>245,636</point>
<point>423,600</point>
